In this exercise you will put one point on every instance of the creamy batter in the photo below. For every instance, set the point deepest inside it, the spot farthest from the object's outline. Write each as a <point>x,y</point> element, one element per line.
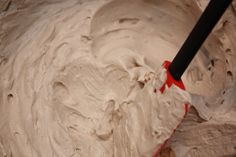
<point>78,79</point>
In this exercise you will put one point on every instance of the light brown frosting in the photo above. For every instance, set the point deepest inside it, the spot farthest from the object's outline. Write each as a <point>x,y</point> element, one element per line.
<point>77,79</point>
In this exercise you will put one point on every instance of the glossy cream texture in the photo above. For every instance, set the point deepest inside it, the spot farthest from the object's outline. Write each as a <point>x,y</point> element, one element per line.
<point>78,79</point>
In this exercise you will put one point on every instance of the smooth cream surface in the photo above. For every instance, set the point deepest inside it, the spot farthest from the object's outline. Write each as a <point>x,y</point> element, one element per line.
<point>78,79</point>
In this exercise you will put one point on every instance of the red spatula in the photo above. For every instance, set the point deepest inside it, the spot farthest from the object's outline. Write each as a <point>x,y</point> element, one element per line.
<point>202,29</point>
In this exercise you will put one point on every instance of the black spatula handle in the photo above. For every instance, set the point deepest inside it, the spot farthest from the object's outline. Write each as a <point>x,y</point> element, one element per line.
<point>202,29</point>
